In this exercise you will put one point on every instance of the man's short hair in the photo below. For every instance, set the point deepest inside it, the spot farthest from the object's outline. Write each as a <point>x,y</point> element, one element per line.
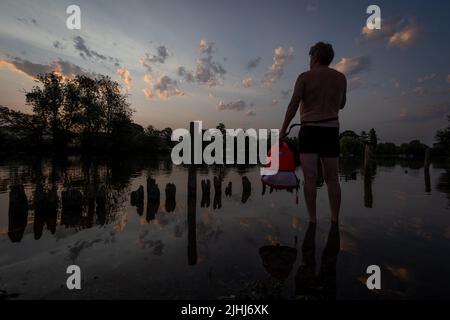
<point>323,52</point>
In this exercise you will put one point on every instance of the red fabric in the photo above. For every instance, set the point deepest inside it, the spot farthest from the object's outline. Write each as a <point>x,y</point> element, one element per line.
<point>286,160</point>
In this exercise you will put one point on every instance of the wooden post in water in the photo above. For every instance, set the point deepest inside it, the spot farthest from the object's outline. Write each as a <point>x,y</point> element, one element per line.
<point>426,166</point>
<point>192,203</point>
<point>426,163</point>
<point>17,213</point>
<point>368,178</point>
<point>367,159</point>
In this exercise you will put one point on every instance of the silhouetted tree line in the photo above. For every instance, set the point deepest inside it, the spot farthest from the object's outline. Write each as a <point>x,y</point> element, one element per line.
<point>442,144</point>
<point>91,114</point>
<point>352,145</point>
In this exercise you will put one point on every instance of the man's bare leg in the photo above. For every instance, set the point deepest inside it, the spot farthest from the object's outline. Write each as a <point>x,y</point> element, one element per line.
<point>330,168</point>
<point>309,166</point>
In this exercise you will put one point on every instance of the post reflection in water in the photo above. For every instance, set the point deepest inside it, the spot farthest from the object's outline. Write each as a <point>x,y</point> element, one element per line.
<point>192,203</point>
<point>370,169</point>
<point>368,194</point>
<point>348,170</point>
<point>427,180</point>
<point>217,202</point>
<point>192,212</point>
<point>246,189</point>
<point>206,193</point>
<point>229,190</point>
<point>137,200</point>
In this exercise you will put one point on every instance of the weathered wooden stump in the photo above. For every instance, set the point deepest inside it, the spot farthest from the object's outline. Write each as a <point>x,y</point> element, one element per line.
<point>367,159</point>
<point>53,199</point>
<point>17,197</point>
<point>100,199</point>
<point>154,193</point>
<point>153,200</point>
<point>150,184</point>
<point>217,185</point>
<point>72,207</point>
<point>171,190</point>
<point>39,199</point>
<point>17,213</point>
<point>40,208</point>
<point>72,198</point>
<point>45,205</point>
<point>137,196</point>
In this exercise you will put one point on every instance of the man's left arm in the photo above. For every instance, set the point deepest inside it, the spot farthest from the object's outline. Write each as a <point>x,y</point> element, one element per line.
<point>293,105</point>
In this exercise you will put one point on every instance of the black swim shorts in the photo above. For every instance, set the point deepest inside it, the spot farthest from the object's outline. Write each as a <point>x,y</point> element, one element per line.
<point>323,141</point>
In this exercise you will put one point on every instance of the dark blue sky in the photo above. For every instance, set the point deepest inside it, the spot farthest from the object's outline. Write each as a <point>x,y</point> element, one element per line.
<point>236,61</point>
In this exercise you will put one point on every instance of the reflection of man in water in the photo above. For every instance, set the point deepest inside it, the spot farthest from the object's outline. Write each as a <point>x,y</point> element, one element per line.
<point>322,286</point>
<point>279,260</point>
<point>321,91</point>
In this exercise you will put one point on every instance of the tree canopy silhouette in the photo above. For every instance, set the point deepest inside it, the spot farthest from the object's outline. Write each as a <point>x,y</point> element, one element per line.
<point>443,139</point>
<point>91,113</point>
<point>84,106</point>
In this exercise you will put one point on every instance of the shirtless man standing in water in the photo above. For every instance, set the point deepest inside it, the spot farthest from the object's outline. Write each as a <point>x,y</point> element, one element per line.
<point>321,94</point>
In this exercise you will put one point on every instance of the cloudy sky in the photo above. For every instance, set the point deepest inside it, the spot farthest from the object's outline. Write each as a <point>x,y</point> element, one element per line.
<point>236,61</point>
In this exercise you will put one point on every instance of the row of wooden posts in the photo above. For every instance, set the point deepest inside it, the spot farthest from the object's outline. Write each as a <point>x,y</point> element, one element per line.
<point>45,204</point>
<point>153,195</point>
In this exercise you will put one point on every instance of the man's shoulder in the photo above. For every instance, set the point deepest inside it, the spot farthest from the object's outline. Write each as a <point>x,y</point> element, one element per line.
<point>315,73</point>
<point>337,73</point>
<point>304,75</point>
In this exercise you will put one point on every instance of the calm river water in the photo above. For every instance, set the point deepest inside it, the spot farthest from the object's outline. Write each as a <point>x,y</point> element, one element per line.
<point>247,245</point>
